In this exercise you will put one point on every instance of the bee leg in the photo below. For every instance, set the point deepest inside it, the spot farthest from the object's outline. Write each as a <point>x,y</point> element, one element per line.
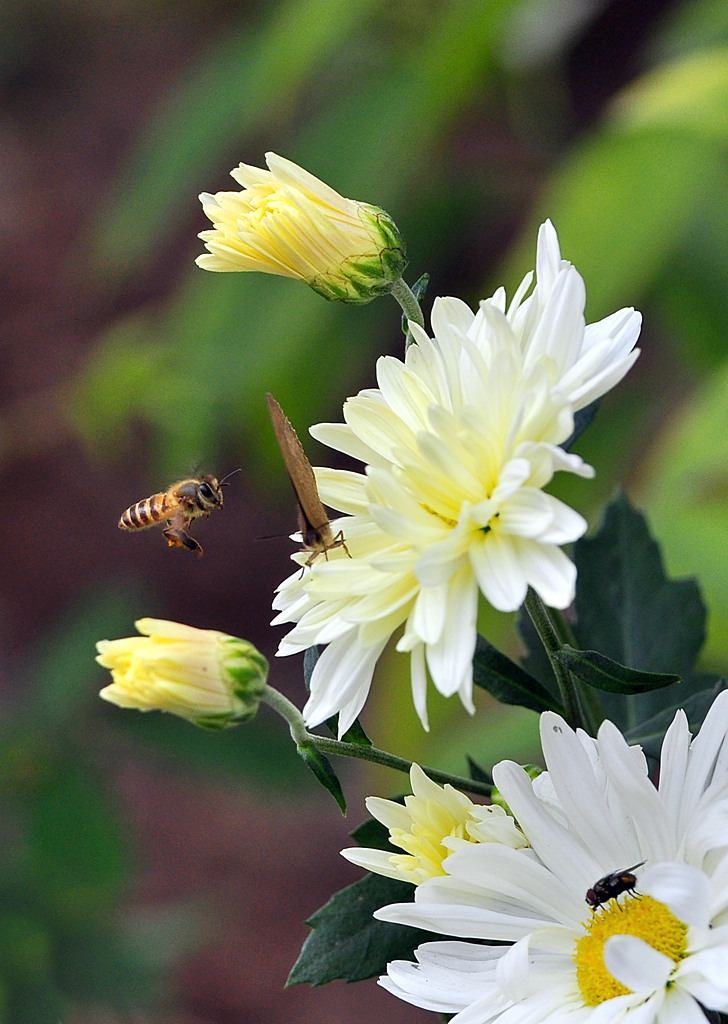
<point>178,538</point>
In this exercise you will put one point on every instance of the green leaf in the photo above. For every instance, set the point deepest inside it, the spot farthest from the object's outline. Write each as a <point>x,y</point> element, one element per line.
<point>321,768</point>
<point>689,462</point>
<point>374,835</point>
<point>597,670</point>
<point>630,612</point>
<point>347,942</point>
<point>508,682</point>
<point>355,733</point>
<point>626,607</point>
<point>650,734</point>
<point>478,773</point>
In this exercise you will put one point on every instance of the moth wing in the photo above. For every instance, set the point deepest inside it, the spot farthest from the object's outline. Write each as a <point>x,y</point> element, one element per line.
<point>312,519</point>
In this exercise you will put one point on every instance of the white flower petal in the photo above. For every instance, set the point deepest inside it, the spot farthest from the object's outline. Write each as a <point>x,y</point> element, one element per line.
<point>635,964</point>
<point>342,674</point>
<point>499,574</point>
<point>683,889</point>
<point>450,657</point>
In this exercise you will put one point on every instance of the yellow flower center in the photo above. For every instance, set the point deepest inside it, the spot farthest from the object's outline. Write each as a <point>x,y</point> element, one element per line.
<point>640,916</point>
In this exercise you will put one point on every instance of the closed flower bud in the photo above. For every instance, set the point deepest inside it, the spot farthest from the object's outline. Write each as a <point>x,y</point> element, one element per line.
<point>209,678</point>
<point>287,222</point>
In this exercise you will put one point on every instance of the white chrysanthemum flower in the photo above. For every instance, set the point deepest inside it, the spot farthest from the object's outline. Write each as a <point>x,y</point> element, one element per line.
<point>459,440</point>
<point>432,822</point>
<point>654,956</point>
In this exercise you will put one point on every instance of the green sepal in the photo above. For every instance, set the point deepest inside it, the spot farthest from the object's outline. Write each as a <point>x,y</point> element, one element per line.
<point>418,290</point>
<point>355,733</point>
<point>507,681</point>
<point>348,943</point>
<point>601,672</point>
<point>321,768</point>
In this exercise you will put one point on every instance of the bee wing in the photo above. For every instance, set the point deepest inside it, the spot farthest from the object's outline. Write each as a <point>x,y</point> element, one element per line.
<point>312,519</point>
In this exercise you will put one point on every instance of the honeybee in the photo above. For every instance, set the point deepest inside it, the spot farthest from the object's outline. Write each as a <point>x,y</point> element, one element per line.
<point>178,507</point>
<point>313,523</point>
<point>612,886</point>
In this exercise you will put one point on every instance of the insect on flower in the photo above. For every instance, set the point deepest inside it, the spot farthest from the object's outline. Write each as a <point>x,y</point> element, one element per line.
<point>611,886</point>
<point>316,532</point>
<point>177,507</point>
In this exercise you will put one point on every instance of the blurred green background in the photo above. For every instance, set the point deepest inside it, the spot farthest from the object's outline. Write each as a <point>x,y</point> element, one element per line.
<point>150,872</point>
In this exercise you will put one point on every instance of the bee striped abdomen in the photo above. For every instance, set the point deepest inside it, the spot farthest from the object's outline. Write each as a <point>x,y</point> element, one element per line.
<point>146,512</point>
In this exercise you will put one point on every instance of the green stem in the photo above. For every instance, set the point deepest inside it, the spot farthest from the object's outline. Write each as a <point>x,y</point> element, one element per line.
<point>410,306</point>
<point>301,736</point>
<point>581,707</point>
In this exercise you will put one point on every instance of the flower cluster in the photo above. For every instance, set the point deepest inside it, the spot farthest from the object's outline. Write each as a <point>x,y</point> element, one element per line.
<point>459,439</point>
<point>657,955</point>
<point>585,892</point>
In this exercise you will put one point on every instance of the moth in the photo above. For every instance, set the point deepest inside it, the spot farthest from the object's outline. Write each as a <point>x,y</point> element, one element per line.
<point>313,523</point>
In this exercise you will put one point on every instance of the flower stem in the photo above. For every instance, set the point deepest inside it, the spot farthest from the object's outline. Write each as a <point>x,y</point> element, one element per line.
<point>581,706</point>
<point>302,736</point>
<point>410,306</point>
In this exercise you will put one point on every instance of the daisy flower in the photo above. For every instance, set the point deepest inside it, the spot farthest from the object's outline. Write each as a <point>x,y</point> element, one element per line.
<point>459,439</point>
<point>657,951</point>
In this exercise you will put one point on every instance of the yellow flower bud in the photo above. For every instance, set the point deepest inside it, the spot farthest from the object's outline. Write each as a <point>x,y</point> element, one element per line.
<point>287,222</point>
<point>211,679</point>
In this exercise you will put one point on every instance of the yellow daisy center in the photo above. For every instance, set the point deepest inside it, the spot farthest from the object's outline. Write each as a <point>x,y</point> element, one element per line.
<point>640,916</point>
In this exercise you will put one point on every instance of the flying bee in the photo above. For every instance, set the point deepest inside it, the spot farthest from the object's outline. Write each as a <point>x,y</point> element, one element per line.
<point>612,886</point>
<point>177,508</point>
<point>313,523</point>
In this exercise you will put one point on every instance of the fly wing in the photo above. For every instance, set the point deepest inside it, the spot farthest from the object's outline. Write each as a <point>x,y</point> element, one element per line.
<point>312,519</point>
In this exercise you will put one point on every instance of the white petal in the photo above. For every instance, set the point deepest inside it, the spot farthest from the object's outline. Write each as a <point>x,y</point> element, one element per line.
<point>627,770</point>
<point>636,964</point>
<point>704,970</point>
<point>555,845</point>
<point>499,573</point>
<point>582,798</point>
<point>377,861</point>
<point>450,658</point>
<point>680,1008</point>
<point>342,438</point>
<point>550,572</point>
<point>342,674</point>
<point>684,890</point>
<point>419,683</point>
